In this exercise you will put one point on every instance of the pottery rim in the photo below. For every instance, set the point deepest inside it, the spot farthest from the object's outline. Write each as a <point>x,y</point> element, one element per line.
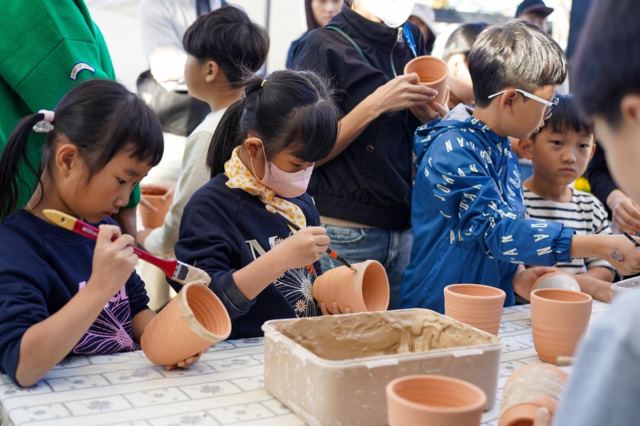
<point>429,379</point>
<point>497,293</point>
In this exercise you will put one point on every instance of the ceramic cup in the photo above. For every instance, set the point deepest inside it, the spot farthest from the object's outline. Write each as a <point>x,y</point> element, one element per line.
<point>154,194</point>
<point>433,72</point>
<point>559,318</point>
<point>480,306</point>
<point>366,290</point>
<point>434,400</point>
<point>558,279</point>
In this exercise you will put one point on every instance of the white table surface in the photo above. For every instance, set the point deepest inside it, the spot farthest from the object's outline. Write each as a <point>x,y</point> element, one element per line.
<point>225,387</point>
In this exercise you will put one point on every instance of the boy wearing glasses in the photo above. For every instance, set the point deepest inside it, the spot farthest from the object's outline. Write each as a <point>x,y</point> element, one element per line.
<point>468,214</point>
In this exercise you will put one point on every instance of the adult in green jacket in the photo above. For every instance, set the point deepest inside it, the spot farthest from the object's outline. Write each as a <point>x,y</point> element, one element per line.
<point>46,48</point>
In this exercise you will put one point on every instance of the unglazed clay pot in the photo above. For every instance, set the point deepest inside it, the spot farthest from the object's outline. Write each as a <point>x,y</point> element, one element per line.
<point>528,389</point>
<point>433,72</point>
<point>559,318</point>
<point>366,290</point>
<point>558,279</point>
<point>194,320</point>
<point>154,194</point>
<point>434,400</point>
<point>480,306</point>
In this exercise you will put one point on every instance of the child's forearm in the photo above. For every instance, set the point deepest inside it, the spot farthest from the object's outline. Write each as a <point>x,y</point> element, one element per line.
<point>45,344</point>
<point>140,322</point>
<point>598,288</point>
<point>256,276</point>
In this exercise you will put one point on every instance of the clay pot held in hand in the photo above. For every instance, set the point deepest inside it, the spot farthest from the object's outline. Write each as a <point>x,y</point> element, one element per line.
<point>434,400</point>
<point>559,318</point>
<point>194,320</point>
<point>528,389</point>
<point>154,194</point>
<point>558,279</point>
<point>433,72</point>
<point>366,290</point>
<point>480,306</point>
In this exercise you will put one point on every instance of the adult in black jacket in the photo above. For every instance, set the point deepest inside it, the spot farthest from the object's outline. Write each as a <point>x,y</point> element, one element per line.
<point>363,189</point>
<point>624,212</point>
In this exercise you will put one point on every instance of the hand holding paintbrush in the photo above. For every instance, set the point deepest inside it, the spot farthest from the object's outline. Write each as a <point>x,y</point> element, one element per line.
<point>295,227</point>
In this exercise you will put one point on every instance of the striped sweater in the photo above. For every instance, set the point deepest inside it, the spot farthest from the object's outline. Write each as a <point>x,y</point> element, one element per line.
<point>584,213</point>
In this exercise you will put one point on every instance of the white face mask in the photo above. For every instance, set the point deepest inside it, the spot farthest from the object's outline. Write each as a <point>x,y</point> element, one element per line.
<point>392,12</point>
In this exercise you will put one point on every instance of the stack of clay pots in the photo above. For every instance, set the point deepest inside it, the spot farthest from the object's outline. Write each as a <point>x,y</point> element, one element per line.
<point>529,389</point>
<point>433,72</point>
<point>153,194</point>
<point>194,320</point>
<point>365,290</point>
<point>480,306</point>
<point>434,400</point>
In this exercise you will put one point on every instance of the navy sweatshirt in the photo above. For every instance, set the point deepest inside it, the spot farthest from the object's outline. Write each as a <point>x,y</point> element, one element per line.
<point>223,230</point>
<point>42,266</point>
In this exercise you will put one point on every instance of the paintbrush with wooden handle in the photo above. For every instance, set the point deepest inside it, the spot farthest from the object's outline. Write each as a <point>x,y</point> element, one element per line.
<point>174,269</point>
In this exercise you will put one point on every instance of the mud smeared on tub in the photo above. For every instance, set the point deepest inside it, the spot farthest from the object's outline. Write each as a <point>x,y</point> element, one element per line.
<point>360,336</point>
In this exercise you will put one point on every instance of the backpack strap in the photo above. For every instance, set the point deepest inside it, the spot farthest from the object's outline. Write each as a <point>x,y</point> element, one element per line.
<point>350,40</point>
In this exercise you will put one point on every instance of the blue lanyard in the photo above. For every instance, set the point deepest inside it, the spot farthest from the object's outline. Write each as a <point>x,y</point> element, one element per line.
<point>408,37</point>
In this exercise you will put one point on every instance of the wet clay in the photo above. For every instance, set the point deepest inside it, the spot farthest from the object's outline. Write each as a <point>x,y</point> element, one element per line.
<point>535,386</point>
<point>376,333</point>
<point>199,277</point>
<point>195,275</point>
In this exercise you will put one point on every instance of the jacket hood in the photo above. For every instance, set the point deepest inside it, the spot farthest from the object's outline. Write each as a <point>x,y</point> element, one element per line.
<point>458,118</point>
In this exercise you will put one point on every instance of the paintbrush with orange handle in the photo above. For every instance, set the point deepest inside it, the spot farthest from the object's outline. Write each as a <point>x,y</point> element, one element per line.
<point>295,227</point>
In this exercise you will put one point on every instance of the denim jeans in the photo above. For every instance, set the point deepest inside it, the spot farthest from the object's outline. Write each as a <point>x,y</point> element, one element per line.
<point>391,248</point>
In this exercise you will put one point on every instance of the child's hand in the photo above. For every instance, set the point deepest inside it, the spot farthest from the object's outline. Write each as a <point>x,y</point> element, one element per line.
<point>113,261</point>
<point>186,363</point>
<point>335,309</point>
<point>304,247</point>
<point>524,279</point>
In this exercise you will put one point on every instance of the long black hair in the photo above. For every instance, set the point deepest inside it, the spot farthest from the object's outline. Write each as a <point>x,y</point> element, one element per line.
<point>101,118</point>
<point>287,109</point>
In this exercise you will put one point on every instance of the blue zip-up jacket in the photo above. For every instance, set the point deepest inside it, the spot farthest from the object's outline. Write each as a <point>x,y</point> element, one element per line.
<point>468,214</point>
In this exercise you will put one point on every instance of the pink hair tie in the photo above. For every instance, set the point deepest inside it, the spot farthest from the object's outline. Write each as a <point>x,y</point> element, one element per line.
<point>45,125</point>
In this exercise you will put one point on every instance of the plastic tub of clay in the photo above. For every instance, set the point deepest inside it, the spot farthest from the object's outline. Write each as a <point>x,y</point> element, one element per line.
<point>626,286</point>
<point>332,370</point>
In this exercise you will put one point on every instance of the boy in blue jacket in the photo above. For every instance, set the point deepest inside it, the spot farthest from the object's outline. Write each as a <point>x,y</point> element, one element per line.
<point>467,210</point>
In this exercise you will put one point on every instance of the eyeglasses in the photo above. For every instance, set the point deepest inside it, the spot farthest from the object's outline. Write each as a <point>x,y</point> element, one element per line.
<point>550,104</point>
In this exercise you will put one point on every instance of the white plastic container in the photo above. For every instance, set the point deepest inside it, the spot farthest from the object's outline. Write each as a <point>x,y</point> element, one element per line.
<point>624,287</point>
<point>333,370</point>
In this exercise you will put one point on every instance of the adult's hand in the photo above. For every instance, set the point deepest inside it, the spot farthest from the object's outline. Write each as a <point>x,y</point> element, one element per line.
<point>426,113</point>
<point>403,92</point>
<point>626,215</point>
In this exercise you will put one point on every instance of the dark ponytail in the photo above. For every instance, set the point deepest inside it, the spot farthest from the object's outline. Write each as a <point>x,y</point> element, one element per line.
<point>101,118</point>
<point>287,109</point>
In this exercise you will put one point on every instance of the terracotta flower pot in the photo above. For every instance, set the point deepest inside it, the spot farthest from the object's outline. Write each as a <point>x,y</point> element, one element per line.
<point>559,318</point>
<point>194,320</point>
<point>154,194</point>
<point>433,72</point>
<point>366,290</point>
<point>558,279</point>
<point>480,306</point>
<point>528,389</point>
<point>434,400</point>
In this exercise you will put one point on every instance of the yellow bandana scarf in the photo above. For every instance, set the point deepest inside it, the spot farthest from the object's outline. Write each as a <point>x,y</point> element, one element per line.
<point>240,177</point>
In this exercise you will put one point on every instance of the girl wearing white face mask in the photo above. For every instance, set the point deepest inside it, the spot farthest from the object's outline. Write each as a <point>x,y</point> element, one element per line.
<point>363,188</point>
<point>262,154</point>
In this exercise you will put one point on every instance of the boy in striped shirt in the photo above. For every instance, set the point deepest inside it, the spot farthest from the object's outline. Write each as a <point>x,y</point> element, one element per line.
<point>560,153</point>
